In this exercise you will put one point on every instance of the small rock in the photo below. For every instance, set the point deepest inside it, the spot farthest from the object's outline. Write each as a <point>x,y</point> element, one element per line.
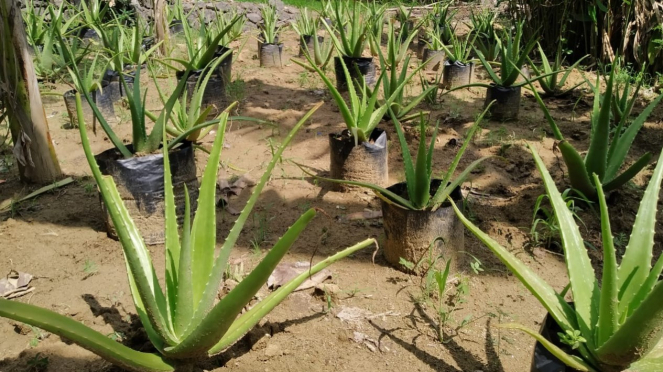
<point>254,17</point>
<point>273,350</point>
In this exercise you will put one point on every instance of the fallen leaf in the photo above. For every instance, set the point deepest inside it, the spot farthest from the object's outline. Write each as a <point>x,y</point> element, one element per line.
<point>285,272</point>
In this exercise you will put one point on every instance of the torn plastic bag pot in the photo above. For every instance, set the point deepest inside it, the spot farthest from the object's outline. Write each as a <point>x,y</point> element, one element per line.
<point>214,94</point>
<point>306,42</point>
<point>507,103</point>
<point>410,233</point>
<point>542,359</point>
<point>101,98</point>
<point>434,59</point>
<point>270,55</point>
<point>366,162</point>
<point>261,42</point>
<point>457,74</point>
<point>358,67</point>
<point>140,183</point>
<point>176,27</point>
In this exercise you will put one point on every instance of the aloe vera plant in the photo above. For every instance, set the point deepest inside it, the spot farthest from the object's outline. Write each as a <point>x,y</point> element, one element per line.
<point>400,107</point>
<point>621,319</point>
<point>179,315</point>
<point>605,156</point>
<point>305,24</point>
<point>419,173</point>
<point>375,21</point>
<point>459,48</point>
<point>363,114</point>
<point>396,47</point>
<point>483,25</point>
<point>268,30</point>
<point>553,84</point>
<point>351,41</point>
<point>512,58</point>
<point>202,46</point>
<point>321,54</point>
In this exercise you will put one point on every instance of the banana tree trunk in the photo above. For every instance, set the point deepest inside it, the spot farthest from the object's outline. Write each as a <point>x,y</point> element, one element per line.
<point>161,26</point>
<point>33,149</point>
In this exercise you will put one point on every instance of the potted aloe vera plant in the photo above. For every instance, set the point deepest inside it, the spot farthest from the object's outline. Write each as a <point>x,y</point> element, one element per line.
<point>182,316</point>
<point>417,214</point>
<point>137,167</point>
<point>433,54</point>
<point>306,26</point>
<point>614,323</point>
<point>375,15</point>
<point>459,67</point>
<point>487,41</point>
<point>360,152</point>
<point>203,47</point>
<point>608,147</point>
<point>505,88</point>
<point>352,27</point>
<point>269,49</point>
<point>400,106</point>
<point>321,51</point>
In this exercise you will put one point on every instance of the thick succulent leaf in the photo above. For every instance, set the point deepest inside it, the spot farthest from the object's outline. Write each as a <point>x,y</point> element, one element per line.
<point>135,251</point>
<point>84,336</point>
<point>203,230</point>
<point>586,294</point>
<point>408,164</point>
<point>554,303</point>
<point>636,262</point>
<point>184,305</point>
<point>609,309</point>
<point>421,187</point>
<point>338,98</point>
<point>629,173</point>
<point>575,165</point>
<point>638,335</point>
<point>220,263</point>
<point>380,191</point>
<point>569,360</point>
<point>249,319</point>
<point>622,144</point>
<point>596,160</point>
<point>652,362</point>
<point>172,236</point>
<point>217,322</point>
<point>486,65</point>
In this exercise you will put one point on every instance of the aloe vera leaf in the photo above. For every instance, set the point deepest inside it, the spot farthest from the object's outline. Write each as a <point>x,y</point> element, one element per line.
<point>381,191</point>
<point>443,191</point>
<point>84,336</point>
<point>135,108</point>
<point>172,237</point>
<point>203,230</point>
<point>637,336</point>
<point>219,319</point>
<point>586,294</point>
<point>513,76</point>
<point>184,303</point>
<point>207,57</point>
<point>201,85</point>
<point>629,173</point>
<point>340,102</point>
<point>569,360</point>
<point>405,110</point>
<point>221,261</point>
<point>568,73</point>
<point>450,186</point>
<point>249,319</point>
<point>608,309</point>
<point>156,136</point>
<point>597,154</point>
<point>546,113</point>
<point>554,303</point>
<point>622,144</point>
<point>136,254</point>
<point>410,178</point>
<point>577,172</point>
<point>487,66</point>
<point>636,262</point>
<point>421,187</point>
<point>73,69</point>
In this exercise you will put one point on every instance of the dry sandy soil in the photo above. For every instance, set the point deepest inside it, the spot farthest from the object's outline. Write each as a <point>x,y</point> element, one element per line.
<point>60,239</point>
